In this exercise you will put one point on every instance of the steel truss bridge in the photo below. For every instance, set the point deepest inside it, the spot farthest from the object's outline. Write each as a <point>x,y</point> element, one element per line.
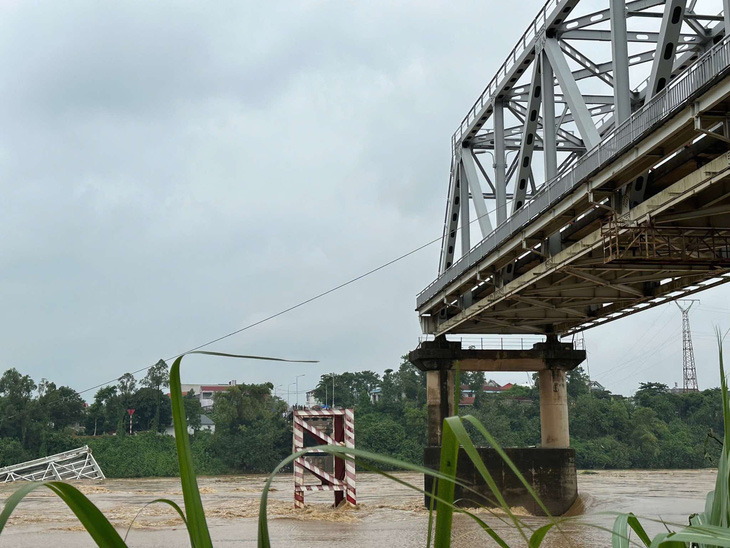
<point>591,178</point>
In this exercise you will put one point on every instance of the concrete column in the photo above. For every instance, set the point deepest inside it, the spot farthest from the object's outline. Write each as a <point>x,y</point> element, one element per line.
<point>554,409</point>
<point>440,402</point>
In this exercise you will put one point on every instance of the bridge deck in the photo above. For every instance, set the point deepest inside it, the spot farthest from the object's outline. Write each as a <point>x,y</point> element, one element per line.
<point>610,264</point>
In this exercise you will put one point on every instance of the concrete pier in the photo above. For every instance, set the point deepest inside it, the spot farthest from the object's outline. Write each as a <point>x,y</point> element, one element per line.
<point>550,472</point>
<point>554,427</point>
<point>550,469</point>
<point>439,401</point>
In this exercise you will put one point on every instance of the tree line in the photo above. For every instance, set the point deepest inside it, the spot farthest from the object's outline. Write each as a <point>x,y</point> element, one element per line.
<point>653,429</point>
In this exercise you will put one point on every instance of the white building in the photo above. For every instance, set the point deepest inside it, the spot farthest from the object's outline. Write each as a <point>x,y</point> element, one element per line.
<point>205,392</point>
<point>312,400</point>
<point>206,425</point>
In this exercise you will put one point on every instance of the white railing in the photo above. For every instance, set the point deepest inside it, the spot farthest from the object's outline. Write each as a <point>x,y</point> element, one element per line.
<point>537,24</point>
<point>519,342</point>
<point>708,68</point>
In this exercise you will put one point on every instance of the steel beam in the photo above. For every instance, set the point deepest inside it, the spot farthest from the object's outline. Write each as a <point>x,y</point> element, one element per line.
<point>520,112</point>
<point>585,62</point>
<point>529,133</point>
<point>548,130</point>
<point>500,163</point>
<point>631,36</point>
<point>667,42</point>
<point>464,213</point>
<point>480,207</point>
<point>583,119</point>
<point>620,53</point>
<point>604,15</point>
<point>451,223</point>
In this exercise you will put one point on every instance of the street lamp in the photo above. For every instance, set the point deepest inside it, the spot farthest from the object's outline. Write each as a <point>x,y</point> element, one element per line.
<point>333,390</point>
<point>297,382</point>
<point>287,394</point>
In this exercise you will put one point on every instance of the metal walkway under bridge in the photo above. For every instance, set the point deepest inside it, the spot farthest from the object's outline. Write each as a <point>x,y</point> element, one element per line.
<point>591,178</point>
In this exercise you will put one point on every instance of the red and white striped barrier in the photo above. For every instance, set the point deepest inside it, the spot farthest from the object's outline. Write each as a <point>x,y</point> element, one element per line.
<point>342,481</point>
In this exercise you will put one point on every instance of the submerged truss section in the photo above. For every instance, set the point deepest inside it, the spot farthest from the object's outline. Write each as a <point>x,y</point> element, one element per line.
<point>76,464</point>
<point>600,109</point>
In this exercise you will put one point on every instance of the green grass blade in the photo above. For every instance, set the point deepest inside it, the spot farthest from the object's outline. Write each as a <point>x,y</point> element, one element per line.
<point>708,535</point>
<point>487,529</point>
<point>431,502</point>
<point>196,524</point>
<point>719,513</point>
<point>539,535</point>
<point>446,487</point>
<point>243,356</point>
<point>620,533</point>
<point>160,501</point>
<point>498,448</point>
<point>663,540</point>
<point>86,511</point>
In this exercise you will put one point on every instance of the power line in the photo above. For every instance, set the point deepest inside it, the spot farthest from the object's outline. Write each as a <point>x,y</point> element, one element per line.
<point>272,316</point>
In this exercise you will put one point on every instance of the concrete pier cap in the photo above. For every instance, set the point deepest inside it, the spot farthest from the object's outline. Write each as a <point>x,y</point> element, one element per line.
<point>557,481</point>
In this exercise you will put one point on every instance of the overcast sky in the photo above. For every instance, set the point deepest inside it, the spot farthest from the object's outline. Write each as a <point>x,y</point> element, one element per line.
<point>173,172</point>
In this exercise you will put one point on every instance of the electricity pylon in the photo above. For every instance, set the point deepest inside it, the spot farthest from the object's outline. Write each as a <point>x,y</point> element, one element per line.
<point>689,383</point>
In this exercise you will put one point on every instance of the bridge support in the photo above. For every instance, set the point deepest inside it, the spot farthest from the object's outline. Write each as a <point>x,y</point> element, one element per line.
<point>551,468</point>
<point>554,408</point>
<point>439,400</point>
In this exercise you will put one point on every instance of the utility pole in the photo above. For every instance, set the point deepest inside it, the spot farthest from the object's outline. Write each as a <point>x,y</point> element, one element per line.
<point>333,390</point>
<point>689,373</point>
<point>297,383</point>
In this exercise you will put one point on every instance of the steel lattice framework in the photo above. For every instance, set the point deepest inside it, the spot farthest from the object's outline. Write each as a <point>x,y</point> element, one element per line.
<point>689,371</point>
<point>578,190</point>
<point>76,464</point>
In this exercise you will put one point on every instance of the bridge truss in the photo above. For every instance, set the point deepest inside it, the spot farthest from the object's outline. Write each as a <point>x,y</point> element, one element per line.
<point>592,174</point>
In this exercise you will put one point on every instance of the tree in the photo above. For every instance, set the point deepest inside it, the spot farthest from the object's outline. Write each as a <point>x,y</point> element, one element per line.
<point>16,391</point>
<point>578,383</point>
<point>152,410</point>
<point>157,377</point>
<point>63,406</point>
<point>127,384</point>
<point>251,434</point>
<point>105,413</point>
<point>193,410</point>
<point>347,387</point>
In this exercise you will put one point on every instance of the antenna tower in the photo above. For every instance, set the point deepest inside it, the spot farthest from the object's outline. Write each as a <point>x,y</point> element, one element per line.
<point>689,372</point>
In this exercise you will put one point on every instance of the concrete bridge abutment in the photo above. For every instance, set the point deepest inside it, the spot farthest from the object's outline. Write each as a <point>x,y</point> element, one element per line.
<point>551,468</point>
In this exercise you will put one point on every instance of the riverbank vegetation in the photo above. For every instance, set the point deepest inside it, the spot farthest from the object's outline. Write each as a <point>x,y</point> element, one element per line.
<point>655,428</point>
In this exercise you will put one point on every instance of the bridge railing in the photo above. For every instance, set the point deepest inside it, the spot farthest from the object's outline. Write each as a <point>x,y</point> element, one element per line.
<point>708,68</point>
<point>523,342</point>
<point>537,24</point>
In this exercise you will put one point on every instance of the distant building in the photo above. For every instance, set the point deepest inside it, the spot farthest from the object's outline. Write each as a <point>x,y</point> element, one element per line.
<point>596,386</point>
<point>312,400</point>
<point>375,394</point>
<point>490,387</point>
<point>205,392</point>
<point>206,425</point>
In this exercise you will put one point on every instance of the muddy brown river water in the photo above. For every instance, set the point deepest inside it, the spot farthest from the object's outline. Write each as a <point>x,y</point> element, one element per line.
<point>389,515</point>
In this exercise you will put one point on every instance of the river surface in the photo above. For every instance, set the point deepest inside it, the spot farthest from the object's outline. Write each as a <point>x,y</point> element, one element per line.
<point>388,515</point>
